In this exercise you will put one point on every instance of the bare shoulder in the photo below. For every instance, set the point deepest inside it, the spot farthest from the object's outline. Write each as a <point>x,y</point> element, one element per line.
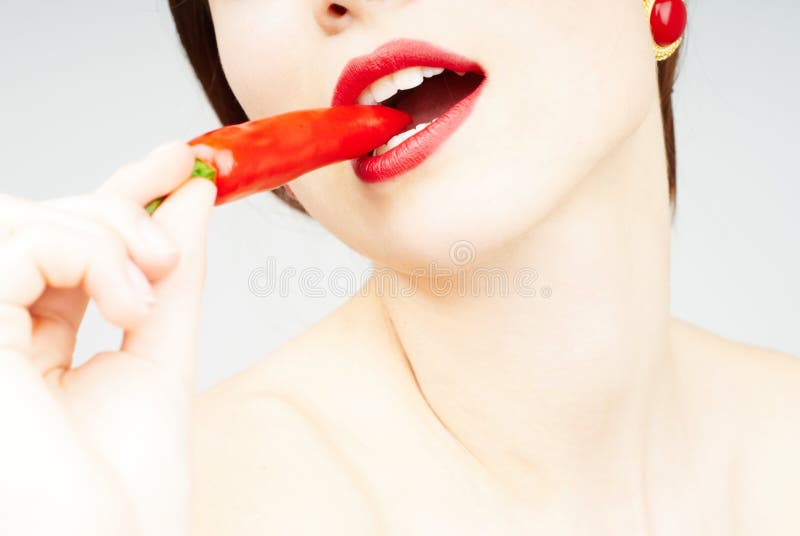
<point>265,447</point>
<point>768,381</point>
<point>261,465</point>
<point>750,399</point>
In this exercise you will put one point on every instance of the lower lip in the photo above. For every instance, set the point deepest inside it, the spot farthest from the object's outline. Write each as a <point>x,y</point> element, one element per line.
<point>416,150</point>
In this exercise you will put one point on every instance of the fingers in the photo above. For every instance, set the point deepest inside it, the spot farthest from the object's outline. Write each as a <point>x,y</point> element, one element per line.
<point>58,312</point>
<point>56,317</point>
<point>149,246</point>
<point>120,200</point>
<point>169,334</point>
<point>63,256</point>
<point>56,255</point>
<point>161,172</point>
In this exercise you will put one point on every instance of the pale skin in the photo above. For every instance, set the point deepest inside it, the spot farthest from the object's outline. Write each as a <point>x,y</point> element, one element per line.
<point>592,411</point>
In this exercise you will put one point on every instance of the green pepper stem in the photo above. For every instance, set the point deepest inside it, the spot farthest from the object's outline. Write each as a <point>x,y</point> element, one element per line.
<point>201,170</point>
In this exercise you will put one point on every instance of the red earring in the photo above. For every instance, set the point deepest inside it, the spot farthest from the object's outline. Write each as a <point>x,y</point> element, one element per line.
<point>667,24</point>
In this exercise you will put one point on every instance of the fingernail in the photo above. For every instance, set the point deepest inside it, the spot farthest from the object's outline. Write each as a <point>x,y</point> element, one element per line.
<point>140,285</point>
<point>155,239</point>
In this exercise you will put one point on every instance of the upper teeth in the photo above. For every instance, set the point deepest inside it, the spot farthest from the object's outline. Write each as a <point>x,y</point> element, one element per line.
<point>388,86</point>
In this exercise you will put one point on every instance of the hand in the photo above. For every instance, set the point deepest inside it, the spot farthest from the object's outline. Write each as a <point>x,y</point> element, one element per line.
<point>101,449</point>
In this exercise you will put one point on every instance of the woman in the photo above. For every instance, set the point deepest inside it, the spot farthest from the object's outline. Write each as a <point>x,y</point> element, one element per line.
<point>511,367</point>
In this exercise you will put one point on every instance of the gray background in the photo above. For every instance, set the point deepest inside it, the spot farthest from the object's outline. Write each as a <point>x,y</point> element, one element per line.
<point>88,85</point>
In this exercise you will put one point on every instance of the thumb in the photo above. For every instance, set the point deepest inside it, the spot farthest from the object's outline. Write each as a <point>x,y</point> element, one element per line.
<point>168,336</point>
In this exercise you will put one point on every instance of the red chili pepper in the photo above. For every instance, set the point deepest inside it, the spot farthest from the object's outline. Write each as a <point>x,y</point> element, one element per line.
<point>267,153</point>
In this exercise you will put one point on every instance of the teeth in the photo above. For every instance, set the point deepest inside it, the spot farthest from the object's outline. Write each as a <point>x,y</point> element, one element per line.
<point>428,72</point>
<point>400,138</point>
<point>408,78</point>
<point>383,89</point>
<point>388,86</point>
<point>367,98</point>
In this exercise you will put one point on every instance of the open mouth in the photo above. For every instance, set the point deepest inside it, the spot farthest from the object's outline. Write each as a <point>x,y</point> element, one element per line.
<point>435,87</point>
<point>424,93</point>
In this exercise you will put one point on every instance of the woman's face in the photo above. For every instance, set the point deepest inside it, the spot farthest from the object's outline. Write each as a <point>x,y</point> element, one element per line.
<point>566,82</point>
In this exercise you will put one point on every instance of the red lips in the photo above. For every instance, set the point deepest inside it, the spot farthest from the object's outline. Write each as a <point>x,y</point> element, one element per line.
<point>387,59</point>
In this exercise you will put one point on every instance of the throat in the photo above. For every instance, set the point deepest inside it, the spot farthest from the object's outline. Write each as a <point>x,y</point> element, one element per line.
<point>532,383</point>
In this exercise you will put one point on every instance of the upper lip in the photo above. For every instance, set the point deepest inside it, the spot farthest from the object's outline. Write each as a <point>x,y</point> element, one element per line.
<point>362,71</point>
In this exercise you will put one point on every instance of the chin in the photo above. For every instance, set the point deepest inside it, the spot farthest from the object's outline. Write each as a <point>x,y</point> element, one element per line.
<point>520,153</point>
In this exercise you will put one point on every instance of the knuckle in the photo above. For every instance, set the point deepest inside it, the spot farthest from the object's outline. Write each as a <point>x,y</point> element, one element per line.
<point>68,212</point>
<point>121,217</point>
<point>99,217</point>
<point>114,208</point>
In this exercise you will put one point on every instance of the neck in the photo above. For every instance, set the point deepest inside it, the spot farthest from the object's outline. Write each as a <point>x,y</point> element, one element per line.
<point>570,380</point>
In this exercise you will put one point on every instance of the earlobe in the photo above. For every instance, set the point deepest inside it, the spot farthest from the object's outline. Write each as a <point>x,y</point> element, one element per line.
<point>667,24</point>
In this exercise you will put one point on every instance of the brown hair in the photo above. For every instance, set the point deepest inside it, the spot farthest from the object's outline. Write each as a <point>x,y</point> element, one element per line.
<point>196,30</point>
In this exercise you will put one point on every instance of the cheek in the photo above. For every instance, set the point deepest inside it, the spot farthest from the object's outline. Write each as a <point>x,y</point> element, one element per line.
<point>261,69</point>
<point>582,83</point>
<point>569,83</point>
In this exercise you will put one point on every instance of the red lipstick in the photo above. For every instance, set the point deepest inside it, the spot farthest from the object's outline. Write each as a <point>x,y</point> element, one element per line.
<point>389,58</point>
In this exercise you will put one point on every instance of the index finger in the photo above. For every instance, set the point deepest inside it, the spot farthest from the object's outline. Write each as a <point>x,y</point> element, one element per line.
<point>158,174</point>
